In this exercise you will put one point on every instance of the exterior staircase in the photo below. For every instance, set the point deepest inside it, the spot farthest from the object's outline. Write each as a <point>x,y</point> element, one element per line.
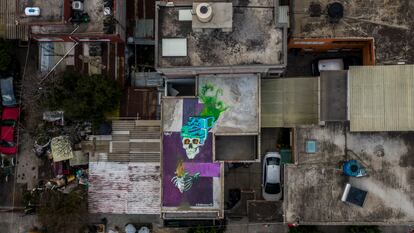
<point>135,141</point>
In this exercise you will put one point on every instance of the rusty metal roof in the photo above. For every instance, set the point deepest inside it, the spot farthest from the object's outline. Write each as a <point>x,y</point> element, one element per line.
<point>8,27</point>
<point>124,188</point>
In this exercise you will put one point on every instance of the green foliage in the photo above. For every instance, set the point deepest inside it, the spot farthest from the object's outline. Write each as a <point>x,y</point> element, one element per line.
<point>364,229</point>
<point>61,212</point>
<point>85,98</point>
<point>304,229</point>
<point>201,229</point>
<point>5,55</point>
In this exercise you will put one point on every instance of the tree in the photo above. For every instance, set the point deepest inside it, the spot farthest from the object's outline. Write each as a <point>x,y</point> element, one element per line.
<point>5,55</point>
<point>84,98</point>
<point>65,213</point>
<point>364,229</point>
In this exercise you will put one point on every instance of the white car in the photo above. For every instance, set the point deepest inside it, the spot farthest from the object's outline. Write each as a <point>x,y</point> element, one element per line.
<point>271,187</point>
<point>331,64</point>
<point>32,11</point>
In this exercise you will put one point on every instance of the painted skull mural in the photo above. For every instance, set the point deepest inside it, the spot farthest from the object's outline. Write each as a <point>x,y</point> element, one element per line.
<point>195,132</point>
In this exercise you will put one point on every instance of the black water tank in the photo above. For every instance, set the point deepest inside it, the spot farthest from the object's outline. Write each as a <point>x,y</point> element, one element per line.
<point>335,12</point>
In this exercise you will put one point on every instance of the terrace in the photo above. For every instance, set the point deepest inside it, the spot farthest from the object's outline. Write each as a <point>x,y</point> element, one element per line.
<point>249,39</point>
<point>314,185</point>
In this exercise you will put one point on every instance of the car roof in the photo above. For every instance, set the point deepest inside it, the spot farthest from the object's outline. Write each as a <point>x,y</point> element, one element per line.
<point>272,154</point>
<point>272,174</point>
<point>10,113</point>
<point>7,133</point>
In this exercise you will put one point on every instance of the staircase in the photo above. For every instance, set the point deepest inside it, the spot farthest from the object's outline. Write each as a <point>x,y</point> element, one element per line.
<point>135,141</point>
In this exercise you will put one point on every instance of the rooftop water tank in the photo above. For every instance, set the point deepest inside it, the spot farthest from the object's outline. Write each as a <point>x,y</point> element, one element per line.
<point>77,5</point>
<point>204,12</point>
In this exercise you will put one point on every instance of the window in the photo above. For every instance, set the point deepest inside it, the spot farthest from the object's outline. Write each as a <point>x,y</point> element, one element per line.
<point>273,161</point>
<point>272,188</point>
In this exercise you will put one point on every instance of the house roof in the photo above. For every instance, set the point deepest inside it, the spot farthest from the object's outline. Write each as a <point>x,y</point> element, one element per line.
<point>124,188</point>
<point>289,102</point>
<point>314,184</point>
<point>192,183</point>
<point>8,28</point>
<point>55,18</point>
<point>51,11</point>
<point>391,29</point>
<point>381,98</point>
<point>254,40</point>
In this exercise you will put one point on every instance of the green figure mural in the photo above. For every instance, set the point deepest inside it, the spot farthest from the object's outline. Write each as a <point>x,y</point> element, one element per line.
<point>209,96</point>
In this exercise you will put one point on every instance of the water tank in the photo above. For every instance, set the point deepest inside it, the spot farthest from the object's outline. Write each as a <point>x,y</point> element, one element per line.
<point>204,12</point>
<point>77,5</point>
<point>335,12</point>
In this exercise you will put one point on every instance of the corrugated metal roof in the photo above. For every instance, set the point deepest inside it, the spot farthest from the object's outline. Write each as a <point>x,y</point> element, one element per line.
<point>124,188</point>
<point>8,27</point>
<point>289,102</point>
<point>333,96</point>
<point>381,98</point>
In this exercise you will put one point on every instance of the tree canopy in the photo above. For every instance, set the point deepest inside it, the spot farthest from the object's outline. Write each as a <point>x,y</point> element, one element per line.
<point>85,98</point>
<point>60,212</point>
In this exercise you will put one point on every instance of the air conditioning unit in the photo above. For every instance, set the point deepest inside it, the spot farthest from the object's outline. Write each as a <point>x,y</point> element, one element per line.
<point>77,5</point>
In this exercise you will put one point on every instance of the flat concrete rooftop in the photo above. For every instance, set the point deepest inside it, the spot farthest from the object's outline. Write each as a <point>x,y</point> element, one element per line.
<point>99,23</point>
<point>389,22</point>
<point>51,11</point>
<point>254,39</point>
<point>314,185</point>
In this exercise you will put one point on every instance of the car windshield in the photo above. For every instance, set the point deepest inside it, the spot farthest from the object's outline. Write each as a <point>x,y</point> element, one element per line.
<point>272,188</point>
<point>7,92</point>
<point>273,161</point>
<point>7,144</point>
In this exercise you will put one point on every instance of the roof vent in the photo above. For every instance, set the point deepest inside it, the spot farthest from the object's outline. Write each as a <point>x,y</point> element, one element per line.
<point>204,12</point>
<point>77,5</point>
<point>335,12</point>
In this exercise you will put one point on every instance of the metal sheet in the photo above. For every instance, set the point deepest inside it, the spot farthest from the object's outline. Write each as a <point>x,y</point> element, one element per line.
<point>124,188</point>
<point>289,102</point>
<point>381,98</point>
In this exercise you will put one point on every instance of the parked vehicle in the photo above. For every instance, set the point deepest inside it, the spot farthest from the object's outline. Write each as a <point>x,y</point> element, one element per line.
<point>32,11</point>
<point>8,144</point>
<point>271,187</point>
<point>344,63</point>
<point>7,92</point>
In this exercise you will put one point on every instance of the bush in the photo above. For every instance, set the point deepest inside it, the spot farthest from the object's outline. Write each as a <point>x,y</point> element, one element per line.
<point>65,213</point>
<point>84,98</point>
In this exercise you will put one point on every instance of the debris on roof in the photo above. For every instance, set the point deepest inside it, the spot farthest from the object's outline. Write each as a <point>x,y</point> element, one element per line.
<point>61,148</point>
